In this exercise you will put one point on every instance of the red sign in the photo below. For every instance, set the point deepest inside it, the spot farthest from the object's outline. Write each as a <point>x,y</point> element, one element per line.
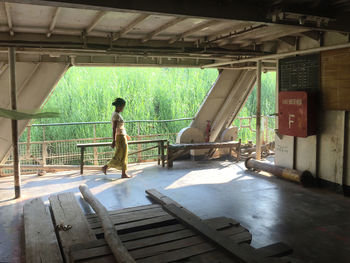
<point>295,114</point>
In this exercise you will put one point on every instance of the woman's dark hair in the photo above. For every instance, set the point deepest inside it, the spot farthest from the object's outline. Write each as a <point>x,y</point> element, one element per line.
<point>118,102</point>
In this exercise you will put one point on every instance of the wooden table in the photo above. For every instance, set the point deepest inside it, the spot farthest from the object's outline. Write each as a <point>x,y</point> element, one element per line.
<point>176,150</point>
<point>160,145</point>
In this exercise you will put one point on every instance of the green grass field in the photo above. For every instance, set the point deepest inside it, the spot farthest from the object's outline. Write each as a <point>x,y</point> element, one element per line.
<point>86,94</point>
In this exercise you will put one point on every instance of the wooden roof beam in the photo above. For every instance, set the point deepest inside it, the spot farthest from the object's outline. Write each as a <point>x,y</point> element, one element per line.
<point>243,34</point>
<point>193,30</point>
<point>290,40</point>
<point>9,18</point>
<point>162,28</point>
<point>314,35</point>
<point>283,32</point>
<point>130,26</point>
<point>53,21</point>
<point>227,31</point>
<point>95,21</point>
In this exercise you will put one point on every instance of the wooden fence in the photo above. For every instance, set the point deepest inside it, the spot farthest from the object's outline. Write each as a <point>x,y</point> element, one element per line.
<point>45,152</point>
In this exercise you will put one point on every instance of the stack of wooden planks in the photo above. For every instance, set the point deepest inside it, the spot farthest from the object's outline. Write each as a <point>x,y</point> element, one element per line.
<point>161,232</point>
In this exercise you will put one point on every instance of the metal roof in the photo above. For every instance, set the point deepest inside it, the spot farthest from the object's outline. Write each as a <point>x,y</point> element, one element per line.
<point>83,33</point>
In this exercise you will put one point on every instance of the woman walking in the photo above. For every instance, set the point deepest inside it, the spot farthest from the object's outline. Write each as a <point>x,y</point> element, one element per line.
<point>120,158</point>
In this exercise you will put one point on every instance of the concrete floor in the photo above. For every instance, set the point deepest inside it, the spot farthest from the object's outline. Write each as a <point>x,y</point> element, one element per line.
<point>316,223</point>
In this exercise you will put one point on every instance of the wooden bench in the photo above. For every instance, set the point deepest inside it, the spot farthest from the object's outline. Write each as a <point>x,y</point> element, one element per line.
<point>160,145</point>
<point>176,150</point>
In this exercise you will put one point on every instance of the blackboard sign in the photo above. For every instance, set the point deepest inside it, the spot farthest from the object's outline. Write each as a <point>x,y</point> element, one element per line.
<point>301,73</point>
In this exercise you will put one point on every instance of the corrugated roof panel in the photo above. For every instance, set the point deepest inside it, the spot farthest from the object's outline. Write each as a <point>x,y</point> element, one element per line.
<point>31,15</point>
<point>75,18</point>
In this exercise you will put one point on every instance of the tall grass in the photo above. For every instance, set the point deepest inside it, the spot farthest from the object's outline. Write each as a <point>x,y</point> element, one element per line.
<point>86,94</point>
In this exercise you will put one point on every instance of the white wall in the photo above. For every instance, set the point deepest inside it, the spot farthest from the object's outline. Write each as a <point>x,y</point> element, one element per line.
<point>326,155</point>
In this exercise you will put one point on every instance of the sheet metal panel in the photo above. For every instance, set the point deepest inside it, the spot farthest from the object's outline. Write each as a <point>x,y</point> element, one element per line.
<point>32,95</point>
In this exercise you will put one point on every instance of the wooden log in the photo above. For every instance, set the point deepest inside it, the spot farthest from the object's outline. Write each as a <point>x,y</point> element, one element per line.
<point>70,222</point>
<point>119,251</point>
<point>40,239</point>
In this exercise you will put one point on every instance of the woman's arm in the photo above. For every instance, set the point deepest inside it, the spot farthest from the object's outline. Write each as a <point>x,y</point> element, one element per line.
<point>114,132</point>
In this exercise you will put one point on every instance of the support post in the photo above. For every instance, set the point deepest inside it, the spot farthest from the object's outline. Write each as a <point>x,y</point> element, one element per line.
<point>95,148</point>
<point>14,123</point>
<point>162,150</point>
<point>158,157</point>
<point>258,111</point>
<point>139,147</point>
<point>44,148</point>
<point>28,141</point>
<point>82,150</point>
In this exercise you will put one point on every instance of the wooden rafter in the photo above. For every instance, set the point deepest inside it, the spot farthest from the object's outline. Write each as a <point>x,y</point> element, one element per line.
<point>193,30</point>
<point>53,21</point>
<point>314,35</point>
<point>282,32</point>
<point>246,32</point>
<point>130,26</point>
<point>9,18</point>
<point>162,28</point>
<point>95,21</point>
<point>290,40</point>
<point>228,30</point>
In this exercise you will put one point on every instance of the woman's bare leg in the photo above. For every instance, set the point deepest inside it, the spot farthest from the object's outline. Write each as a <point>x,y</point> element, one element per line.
<point>104,169</point>
<point>125,175</point>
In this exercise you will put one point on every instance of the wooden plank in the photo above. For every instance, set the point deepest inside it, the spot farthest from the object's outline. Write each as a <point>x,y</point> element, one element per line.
<point>218,223</point>
<point>125,210</point>
<point>162,199</point>
<point>98,144</point>
<point>67,212</point>
<point>178,249</point>
<point>275,250</point>
<point>237,235</point>
<point>129,217</point>
<point>119,251</point>
<point>40,239</point>
<point>157,242</point>
<point>215,256</point>
<point>238,253</point>
<point>142,224</point>
<point>178,255</point>
<point>165,200</point>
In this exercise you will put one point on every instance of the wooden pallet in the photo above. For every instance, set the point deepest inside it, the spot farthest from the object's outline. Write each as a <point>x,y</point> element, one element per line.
<point>161,232</point>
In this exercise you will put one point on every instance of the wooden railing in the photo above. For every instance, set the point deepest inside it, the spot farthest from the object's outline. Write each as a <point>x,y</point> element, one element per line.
<point>38,148</point>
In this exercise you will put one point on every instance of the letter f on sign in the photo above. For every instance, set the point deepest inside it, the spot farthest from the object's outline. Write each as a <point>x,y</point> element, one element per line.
<point>290,120</point>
